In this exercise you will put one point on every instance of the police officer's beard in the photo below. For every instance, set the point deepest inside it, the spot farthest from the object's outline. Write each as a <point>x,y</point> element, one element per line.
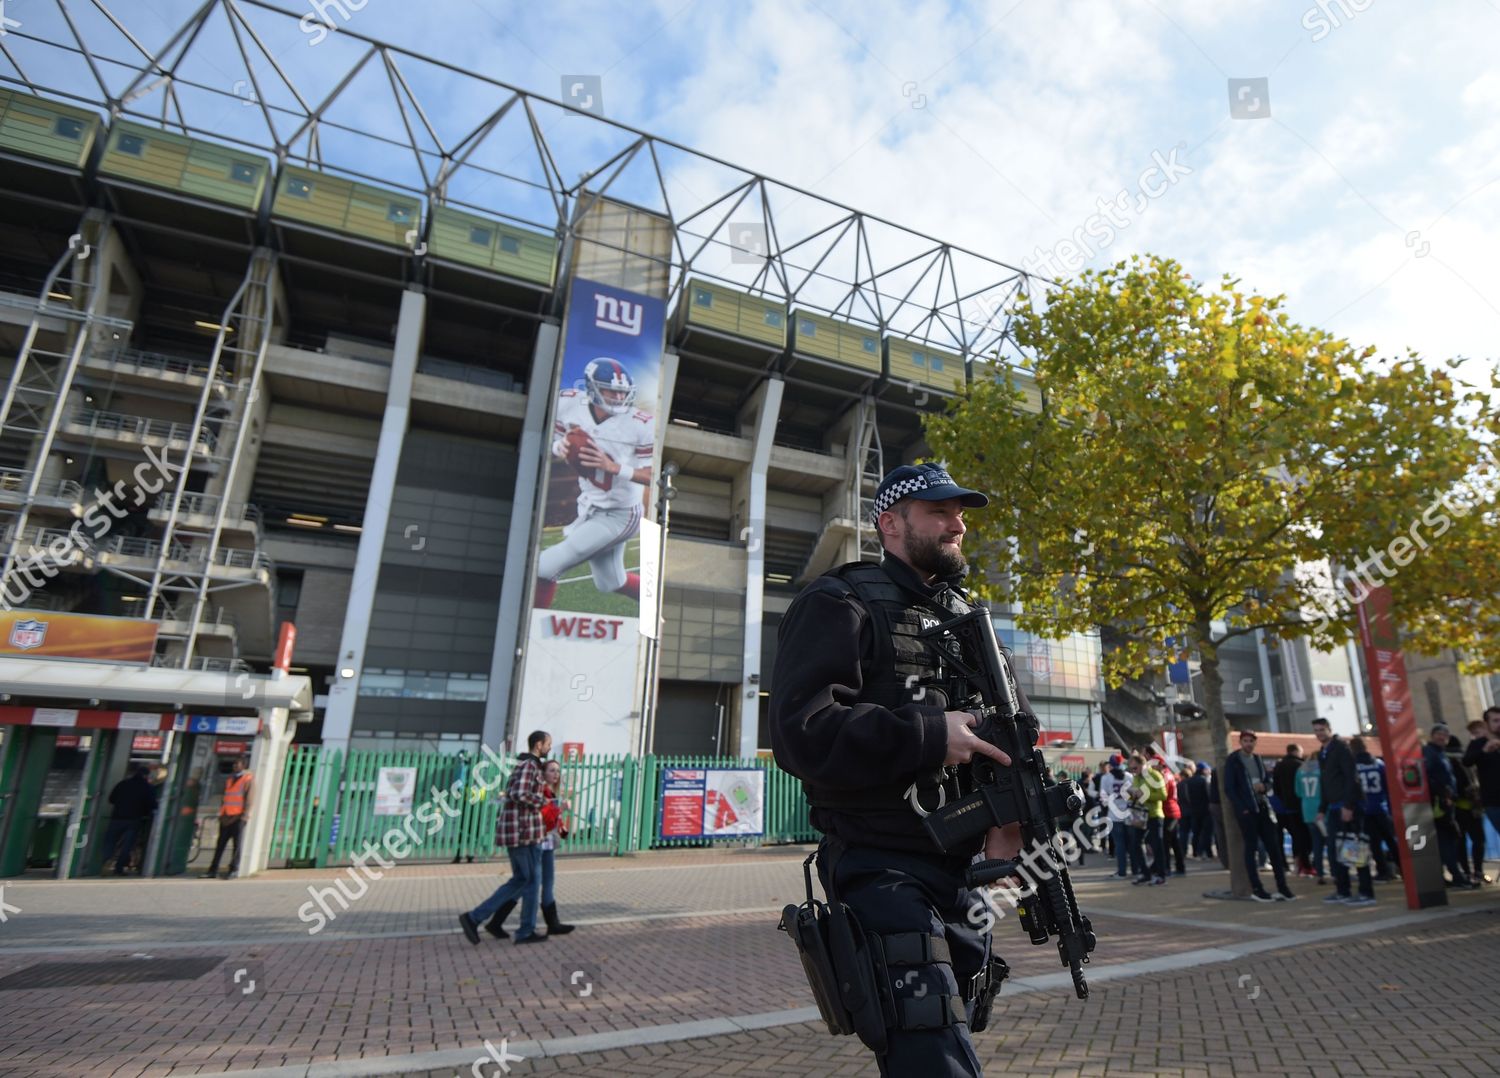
<point>927,555</point>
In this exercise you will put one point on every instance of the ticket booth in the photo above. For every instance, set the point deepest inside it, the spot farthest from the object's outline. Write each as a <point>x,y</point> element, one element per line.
<point>59,764</point>
<point>57,767</point>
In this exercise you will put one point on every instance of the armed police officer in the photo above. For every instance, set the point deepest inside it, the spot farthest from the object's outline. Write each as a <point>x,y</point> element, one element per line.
<point>859,711</point>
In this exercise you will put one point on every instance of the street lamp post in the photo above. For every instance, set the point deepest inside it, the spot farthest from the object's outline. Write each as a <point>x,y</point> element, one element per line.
<point>665,492</point>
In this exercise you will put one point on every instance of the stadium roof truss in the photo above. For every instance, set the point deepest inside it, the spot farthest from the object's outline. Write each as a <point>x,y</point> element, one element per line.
<point>320,95</point>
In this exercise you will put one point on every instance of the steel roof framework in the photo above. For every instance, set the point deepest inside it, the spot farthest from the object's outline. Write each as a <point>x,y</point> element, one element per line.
<point>385,115</point>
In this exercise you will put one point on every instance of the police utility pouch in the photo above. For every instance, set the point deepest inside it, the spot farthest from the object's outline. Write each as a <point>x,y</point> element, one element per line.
<point>835,956</point>
<point>982,990</point>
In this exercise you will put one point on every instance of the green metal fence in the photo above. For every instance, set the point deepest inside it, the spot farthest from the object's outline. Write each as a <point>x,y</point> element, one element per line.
<point>326,813</point>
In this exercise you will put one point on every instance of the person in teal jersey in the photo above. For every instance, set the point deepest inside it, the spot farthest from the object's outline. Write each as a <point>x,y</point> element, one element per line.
<point>1309,791</point>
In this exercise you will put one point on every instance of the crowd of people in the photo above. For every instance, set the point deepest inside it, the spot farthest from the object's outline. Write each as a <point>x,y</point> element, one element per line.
<point>1332,808</point>
<point>1156,817</point>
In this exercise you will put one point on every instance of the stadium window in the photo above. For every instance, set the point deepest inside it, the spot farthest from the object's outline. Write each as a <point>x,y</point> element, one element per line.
<point>418,685</point>
<point>299,188</point>
<point>702,297</point>
<point>509,244</point>
<point>240,172</point>
<point>473,687</point>
<point>380,683</point>
<point>134,145</point>
<point>398,213</point>
<point>69,128</point>
<point>807,327</point>
<point>919,359</point>
<point>868,344</point>
<point>773,318</point>
<point>937,363</point>
<point>480,237</point>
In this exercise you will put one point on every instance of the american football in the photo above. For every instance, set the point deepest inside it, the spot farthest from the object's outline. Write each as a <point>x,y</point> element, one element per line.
<point>573,441</point>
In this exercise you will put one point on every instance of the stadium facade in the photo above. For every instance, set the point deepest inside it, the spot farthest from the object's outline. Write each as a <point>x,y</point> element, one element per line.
<point>362,348</point>
<point>277,357</point>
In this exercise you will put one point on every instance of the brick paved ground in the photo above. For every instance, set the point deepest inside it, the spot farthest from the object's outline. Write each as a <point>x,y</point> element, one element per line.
<point>1362,1007</point>
<point>391,977</point>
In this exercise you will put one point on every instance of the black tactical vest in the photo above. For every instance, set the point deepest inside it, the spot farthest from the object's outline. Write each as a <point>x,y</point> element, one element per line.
<point>902,669</point>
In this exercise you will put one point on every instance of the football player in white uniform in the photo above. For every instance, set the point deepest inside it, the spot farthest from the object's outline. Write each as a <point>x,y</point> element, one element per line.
<point>609,444</point>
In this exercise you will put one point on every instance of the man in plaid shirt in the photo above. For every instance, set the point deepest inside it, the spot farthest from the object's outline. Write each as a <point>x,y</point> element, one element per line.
<point>520,831</point>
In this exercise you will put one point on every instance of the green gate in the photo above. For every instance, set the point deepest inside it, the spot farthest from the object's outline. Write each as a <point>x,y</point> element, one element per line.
<point>326,813</point>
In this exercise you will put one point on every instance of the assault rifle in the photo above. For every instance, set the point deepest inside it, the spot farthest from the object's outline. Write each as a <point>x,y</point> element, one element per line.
<point>1023,793</point>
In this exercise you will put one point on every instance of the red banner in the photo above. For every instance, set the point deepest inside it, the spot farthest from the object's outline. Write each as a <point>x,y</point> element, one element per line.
<point>1401,746</point>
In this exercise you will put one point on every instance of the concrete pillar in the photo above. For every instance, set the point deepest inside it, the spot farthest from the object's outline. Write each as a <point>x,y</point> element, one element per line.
<point>338,719</point>
<point>650,696</point>
<point>767,403</point>
<point>267,763</point>
<point>532,462</point>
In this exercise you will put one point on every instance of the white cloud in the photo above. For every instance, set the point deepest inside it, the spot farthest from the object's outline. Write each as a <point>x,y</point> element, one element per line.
<point>1032,111</point>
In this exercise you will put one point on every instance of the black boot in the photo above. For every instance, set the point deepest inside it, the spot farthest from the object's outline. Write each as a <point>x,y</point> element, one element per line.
<point>554,926</point>
<point>495,926</point>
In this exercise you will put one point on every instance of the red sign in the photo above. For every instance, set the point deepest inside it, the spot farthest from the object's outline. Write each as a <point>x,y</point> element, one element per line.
<point>286,639</point>
<point>231,748</point>
<point>1400,743</point>
<point>682,797</point>
<point>146,743</point>
<point>85,719</point>
<point>572,752</point>
<point>67,741</point>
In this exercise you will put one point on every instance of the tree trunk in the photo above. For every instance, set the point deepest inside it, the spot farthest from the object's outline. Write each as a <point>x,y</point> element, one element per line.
<point>1218,727</point>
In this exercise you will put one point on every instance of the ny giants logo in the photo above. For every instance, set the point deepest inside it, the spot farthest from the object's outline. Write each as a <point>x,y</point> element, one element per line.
<point>618,315</point>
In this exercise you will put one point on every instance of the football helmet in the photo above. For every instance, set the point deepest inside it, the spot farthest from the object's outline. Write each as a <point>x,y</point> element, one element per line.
<point>610,386</point>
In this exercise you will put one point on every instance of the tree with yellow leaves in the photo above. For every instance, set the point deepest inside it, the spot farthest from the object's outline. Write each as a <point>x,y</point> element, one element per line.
<point>1197,452</point>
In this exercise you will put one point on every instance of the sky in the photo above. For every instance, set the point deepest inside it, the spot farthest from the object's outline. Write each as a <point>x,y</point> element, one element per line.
<point>1343,152</point>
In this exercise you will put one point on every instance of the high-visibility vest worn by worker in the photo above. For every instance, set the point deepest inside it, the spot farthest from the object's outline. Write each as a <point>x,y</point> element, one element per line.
<point>234,795</point>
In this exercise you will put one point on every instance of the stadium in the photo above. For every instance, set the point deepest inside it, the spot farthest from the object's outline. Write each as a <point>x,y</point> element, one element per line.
<point>280,364</point>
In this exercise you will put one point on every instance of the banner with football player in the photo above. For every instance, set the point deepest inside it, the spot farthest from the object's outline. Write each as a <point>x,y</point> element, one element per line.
<point>603,442</point>
<point>581,676</point>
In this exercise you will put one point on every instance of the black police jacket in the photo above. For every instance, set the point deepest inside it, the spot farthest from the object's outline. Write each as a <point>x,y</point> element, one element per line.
<point>856,719</point>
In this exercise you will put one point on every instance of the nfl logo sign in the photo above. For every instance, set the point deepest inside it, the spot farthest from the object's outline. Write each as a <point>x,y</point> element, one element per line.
<point>1039,657</point>
<point>26,635</point>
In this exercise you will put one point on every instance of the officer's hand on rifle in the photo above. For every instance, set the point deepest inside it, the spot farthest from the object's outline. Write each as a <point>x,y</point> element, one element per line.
<point>1002,843</point>
<point>963,744</point>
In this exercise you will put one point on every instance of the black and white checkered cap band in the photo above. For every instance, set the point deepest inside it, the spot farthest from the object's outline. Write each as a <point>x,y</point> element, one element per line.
<point>902,487</point>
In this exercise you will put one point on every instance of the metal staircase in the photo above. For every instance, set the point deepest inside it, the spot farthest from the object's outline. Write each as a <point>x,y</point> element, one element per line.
<point>867,464</point>
<point>74,299</point>
<point>178,587</point>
